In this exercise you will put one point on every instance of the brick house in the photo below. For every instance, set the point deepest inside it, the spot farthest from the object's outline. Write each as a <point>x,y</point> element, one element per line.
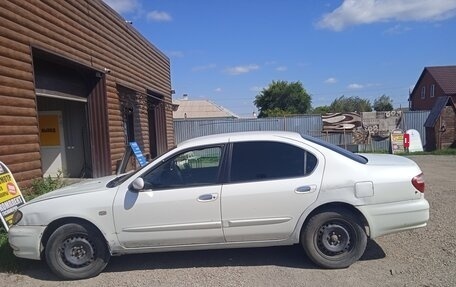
<point>435,90</point>
<point>434,82</point>
<point>200,109</point>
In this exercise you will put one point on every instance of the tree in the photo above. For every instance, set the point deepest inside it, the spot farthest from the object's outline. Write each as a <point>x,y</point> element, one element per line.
<point>281,98</point>
<point>321,110</point>
<point>350,104</point>
<point>384,103</point>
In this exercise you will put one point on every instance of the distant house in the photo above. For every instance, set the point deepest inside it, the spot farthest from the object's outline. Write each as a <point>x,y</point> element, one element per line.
<point>200,109</point>
<point>435,91</point>
<point>441,124</point>
<point>433,83</point>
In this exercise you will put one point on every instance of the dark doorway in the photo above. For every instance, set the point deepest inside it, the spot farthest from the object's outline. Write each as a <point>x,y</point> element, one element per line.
<point>152,132</point>
<point>129,122</point>
<point>77,155</point>
<point>157,124</point>
<point>72,97</point>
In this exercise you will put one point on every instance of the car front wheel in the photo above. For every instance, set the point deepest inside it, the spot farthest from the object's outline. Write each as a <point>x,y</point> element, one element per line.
<point>76,251</point>
<point>334,239</point>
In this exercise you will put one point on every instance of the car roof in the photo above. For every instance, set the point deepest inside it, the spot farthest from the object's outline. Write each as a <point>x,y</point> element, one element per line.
<point>239,136</point>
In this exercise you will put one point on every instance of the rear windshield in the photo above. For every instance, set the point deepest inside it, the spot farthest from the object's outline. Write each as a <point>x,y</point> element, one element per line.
<point>339,150</point>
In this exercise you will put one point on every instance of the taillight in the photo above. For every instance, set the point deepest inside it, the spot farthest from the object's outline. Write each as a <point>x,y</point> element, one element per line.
<point>418,182</point>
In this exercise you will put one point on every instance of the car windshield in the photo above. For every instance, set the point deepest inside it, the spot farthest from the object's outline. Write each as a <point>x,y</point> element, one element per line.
<point>335,148</point>
<point>123,177</point>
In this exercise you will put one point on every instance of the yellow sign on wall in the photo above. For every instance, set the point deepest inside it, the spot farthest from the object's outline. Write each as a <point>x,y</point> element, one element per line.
<point>10,196</point>
<point>49,130</point>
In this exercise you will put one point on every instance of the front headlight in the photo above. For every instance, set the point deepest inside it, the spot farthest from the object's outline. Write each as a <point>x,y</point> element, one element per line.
<point>17,216</point>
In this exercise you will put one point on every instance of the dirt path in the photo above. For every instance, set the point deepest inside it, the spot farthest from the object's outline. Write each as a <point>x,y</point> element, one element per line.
<point>423,257</point>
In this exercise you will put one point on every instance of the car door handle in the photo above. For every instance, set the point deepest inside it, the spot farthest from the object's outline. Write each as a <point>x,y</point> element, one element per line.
<point>208,197</point>
<point>305,189</point>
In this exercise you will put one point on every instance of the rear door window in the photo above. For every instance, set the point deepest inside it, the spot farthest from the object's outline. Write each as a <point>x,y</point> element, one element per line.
<point>265,160</point>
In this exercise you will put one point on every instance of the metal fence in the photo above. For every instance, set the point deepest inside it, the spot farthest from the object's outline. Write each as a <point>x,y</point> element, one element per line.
<point>304,124</point>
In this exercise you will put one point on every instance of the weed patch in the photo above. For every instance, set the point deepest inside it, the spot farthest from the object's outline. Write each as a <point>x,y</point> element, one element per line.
<point>8,261</point>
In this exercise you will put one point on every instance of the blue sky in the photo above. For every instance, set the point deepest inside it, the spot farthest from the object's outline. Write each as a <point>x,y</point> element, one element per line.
<point>227,51</point>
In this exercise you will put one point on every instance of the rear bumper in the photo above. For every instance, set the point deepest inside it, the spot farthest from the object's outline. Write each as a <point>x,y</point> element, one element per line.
<point>26,241</point>
<point>394,217</point>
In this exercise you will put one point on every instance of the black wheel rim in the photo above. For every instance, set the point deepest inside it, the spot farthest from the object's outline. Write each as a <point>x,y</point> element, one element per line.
<point>335,238</point>
<point>77,252</point>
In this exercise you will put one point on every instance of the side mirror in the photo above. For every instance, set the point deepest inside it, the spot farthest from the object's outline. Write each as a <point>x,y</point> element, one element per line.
<point>138,184</point>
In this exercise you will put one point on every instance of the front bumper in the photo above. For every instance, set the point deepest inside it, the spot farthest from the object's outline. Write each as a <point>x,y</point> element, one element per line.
<point>395,216</point>
<point>26,241</point>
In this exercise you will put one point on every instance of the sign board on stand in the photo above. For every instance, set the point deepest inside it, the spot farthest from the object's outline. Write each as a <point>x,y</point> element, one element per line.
<point>138,153</point>
<point>10,196</point>
<point>397,141</point>
<point>134,148</point>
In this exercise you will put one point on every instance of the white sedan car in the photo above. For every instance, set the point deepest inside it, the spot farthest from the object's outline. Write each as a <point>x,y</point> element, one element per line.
<point>227,191</point>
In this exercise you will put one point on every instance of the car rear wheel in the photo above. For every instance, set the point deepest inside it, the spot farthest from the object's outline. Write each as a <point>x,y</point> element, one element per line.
<point>76,251</point>
<point>334,239</point>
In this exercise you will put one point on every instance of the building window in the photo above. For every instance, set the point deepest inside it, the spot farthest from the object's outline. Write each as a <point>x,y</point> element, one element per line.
<point>423,92</point>
<point>432,90</point>
<point>129,124</point>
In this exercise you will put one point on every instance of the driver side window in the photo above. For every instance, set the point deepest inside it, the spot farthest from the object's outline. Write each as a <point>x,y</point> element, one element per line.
<point>191,168</point>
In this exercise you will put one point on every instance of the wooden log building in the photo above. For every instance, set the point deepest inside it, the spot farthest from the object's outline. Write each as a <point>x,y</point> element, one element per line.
<point>77,83</point>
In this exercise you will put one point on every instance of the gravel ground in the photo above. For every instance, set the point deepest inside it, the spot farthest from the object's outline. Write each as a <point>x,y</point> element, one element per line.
<point>423,257</point>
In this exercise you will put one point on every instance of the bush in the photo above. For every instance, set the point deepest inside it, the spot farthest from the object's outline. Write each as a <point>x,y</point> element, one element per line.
<point>44,185</point>
<point>9,262</point>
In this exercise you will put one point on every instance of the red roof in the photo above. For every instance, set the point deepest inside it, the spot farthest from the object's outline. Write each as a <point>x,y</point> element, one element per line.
<point>445,76</point>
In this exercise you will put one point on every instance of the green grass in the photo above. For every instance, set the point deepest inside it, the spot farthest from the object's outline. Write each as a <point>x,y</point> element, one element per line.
<point>8,261</point>
<point>448,151</point>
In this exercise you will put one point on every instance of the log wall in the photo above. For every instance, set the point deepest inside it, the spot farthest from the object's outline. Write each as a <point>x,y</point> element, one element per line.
<point>84,31</point>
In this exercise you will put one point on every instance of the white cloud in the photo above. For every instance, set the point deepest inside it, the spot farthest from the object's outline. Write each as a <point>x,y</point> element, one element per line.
<point>268,63</point>
<point>331,80</point>
<point>123,6</point>
<point>281,68</point>
<point>176,54</point>
<point>397,30</point>
<point>241,69</point>
<point>355,86</point>
<point>256,89</point>
<point>203,68</point>
<point>218,90</point>
<point>159,16</point>
<point>357,12</point>
<point>302,64</point>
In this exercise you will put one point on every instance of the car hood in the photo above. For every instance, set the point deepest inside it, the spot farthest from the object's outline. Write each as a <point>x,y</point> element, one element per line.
<point>85,186</point>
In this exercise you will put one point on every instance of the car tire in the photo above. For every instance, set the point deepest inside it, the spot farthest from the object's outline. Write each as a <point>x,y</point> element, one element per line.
<point>334,239</point>
<point>76,251</point>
